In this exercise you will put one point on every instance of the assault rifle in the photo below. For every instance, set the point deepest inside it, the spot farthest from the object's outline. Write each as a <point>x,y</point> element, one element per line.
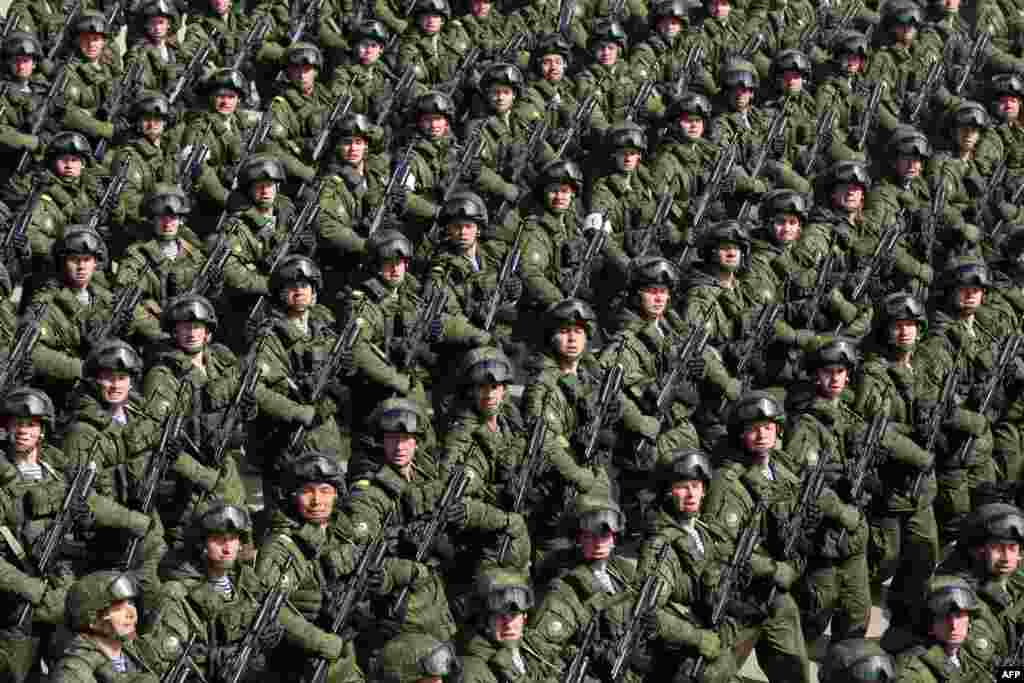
<point>123,310</point>
<point>190,168</point>
<point>611,390</point>
<point>301,23</point>
<point>881,255</point>
<point>870,453</point>
<point>729,583</point>
<point>594,247</point>
<point>946,402</point>
<point>212,271</point>
<point>181,670</point>
<point>121,97</point>
<point>399,95</point>
<point>693,347</point>
<point>822,286</point>
<point>661,214</point>
<point>975,58</point>
<point>917,103</point>
<point>775,130</point>
<point>256,138</point>
<point>512,48</point>
<point>44,113</point>
<point>639,100</point>
<point>764,328</point>
<point>108,201</point>
<point>508,269</point>
<point>868,117</point>
<point>21,350</point>
<point>75,497</point>
<point>471,152</point>
<point>453,491</point>
<point>580,119</point>
<point>341,107</point>
<point>995,183</point>
<point>19,227</point>
<point>577,671</point>
<point>1008,352</point>
<point>524,478</point>
<point>62,36</point>
<point>413,342</point>
<point>399,178</point>
<point>252,42</point>
<point>822,136</point>
<point>694,56</point>
<point>931,227</point>
<point>464,68</point>
<point>266,617</point>
<point>1016,199</point>
<point>633,636</point>
<point>371,560</point>
<point>720,173</point>
<point>796,527</point>
<point>534,149</point>
<point>193,70</point>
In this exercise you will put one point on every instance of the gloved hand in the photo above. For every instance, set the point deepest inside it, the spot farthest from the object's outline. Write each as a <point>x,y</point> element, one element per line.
<point>512,289</point>
<point>925,273</point>
<point>305,243</point>
<point>397,199</point>
<point>471,174</point>
<point>829,504</point>
<point>778,147</point>
<point>247,408</point>
<point>785,575</point>
<point>510,193</point>
<point>306,416</point>
<point>435,331</point>
<point>122,127</point>
<point>708,644</point>
<point>695,367</point>
<point>456,518</point>
<point>646,456</point>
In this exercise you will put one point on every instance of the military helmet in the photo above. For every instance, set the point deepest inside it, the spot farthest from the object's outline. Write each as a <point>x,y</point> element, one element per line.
<point>907,141</point>
<point>560,173</point>
<point>502,74</point>
<point>755,406</point>
<point>222,518</point>
<point>28,402</point>
<point>1007,84</point>
<point>784,201</point>
<point>434,103</point>
<point>80,240</point>
<point>570,312</point>
<point>22,43</point>
<point>902,12</point>
<point>151,104</point>
<point>465,207</point>
<point>356,125</point>
<point>838,352</point>
<point>189,308</point>
<point>648,271</point>
<point>167,200</point>
<point>608,31</point>
<point>627,135</point>
<point>689,103</point>
<point>94,593</point>
<point>994,522</point>
<point>69,143</point>
<point>791,60</point>
<point>440,7</point>
<point>740,73</point>
<point>370,30</point>
<point>898,306</point>
<point>947,594</point>
<point>412,657</point>
<point>728,231</point>
<point>304,53</point>
<point>112,354</point>
<point>158,8</point>
<point>388,244</point>
<point>90,21</point>
<point>598,514</point>
<point>225,79</point>
<point>967,275</point>
<point>848,172</point>
<point>486,366</point>
<point>313,468</point>
<point>851,42</point>
<point>858,660</point>
<point>398,415</point>
<point>970,114</point>
<point>686,464</point>
<point>502,591</point>
<point>261,167</point>
<point>294,268</point>
<point>674,8</point>
<point>551,44</point>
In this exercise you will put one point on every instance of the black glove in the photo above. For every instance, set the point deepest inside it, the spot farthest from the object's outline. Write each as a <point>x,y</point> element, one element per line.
<point>695,367</point>
<point>471,173</point>
<point>305,243</point>
<point>686,392</point>
<point>512,289</point>
<point>172,286</point>
<point>646,456</point>
<point>778,146</point>
<point>247,409</point>
<point>607,439</point>
<point>376,580</point>
<point>456,518</point>
<point>397,199</point>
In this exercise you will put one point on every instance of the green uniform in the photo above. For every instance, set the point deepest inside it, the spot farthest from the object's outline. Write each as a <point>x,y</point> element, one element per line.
<point>487,661</point>
<point>61,203</point>
<point>160,64</point>
<point>84,662</point>
<point>471,283</point>
<point>297,118</point>
<point>89,86</point>
<point>615,87</point>
<point>150,164</point>
<point>434,58</point>
<point>552,254</point>
<point>921,664</point>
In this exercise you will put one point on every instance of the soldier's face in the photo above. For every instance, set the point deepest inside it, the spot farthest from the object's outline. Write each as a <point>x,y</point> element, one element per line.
<point>157,27</point>
<point>1009,107</point>
<point>742,96</point>
<point>903,333</point>
<point>950,6</point>
<point>502,97</point>
<point>298,296</point>
<point>78,270</point>
<point>719,9</point>
<point>302,74</point>
<point>1000,559</point>
<point>27,432</point>
<point>118,621</point>
<point>23,66</point>
<point>729,256</point>
<point>967,137</point>
<point>152,127</point>
<point>596,545</point>
<point>688,495</point>
<point>463,235</point>
<point>853,63</point>
<point>368,51</point>
<point>434,126</point>
<point>654,301</point>
<point>670,26</point>
<point>114,385</point>
<point>264,192</point>
<point>559,197</point>
<point>220,6</point>
<point>692,125</point>
<point>969,298</point>
<point>91,44</point>
<point>848,196</point>
<point>399,449</point>
<point>607,53</point>
<point>353,150</point>
<point>393,269</point>
<point>225,102</point>
<point>191,335</point>
<point>489,397</point>
<point>908,167</point>
<point>552,67</point>
<point>627,159</point>
<point>222,550</point>
<point>786,227</point>
<point>760,437</point>
<point>508,627</point>
<point>68,165</point>
<point>167,226</point>
<point>316,502</point>
<point>572,341</point>
<point>431,23</point>
<point>832,380</point>
<point>792,81</point>
<point>952,628</point>
<point>905,33</point>
<point>480,8</point>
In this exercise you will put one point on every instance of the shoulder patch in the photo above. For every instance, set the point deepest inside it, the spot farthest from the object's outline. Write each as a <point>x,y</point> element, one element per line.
<point>554,628</point>
<point>732,519</point>
<point>362,484</point>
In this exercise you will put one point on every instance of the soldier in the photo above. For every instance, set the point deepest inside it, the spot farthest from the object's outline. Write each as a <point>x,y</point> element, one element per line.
<point>213,594</point>
<point>899,62</point>
<point>418,658</point>
<point>664,54</point>
<point>366,76</point>
<point>752,473</point>
<point>433,45</point>
<point>609,78</point>
<point>946,618</point>
<point>223,25</point>
<point>857,660</point>
<point>158,50</point>
<point>90,79</point>
<point>1006,92</point>
<point>26,85</point>
<point>101,612</point>
<point>845,89</point>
